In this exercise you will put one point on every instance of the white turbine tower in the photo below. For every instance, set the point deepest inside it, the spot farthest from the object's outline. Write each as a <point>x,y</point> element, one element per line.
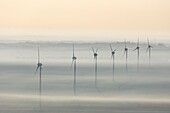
<point>137,49</point>
<point>39,67</point>
<point>126,52</point>
<point>74,70</point>
<point>113,58</point>
<point>95,68</point>
<point>149,50</point>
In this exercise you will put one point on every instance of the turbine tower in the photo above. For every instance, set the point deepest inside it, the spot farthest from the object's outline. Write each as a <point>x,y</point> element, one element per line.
<point>113,58</point>
<point>126,52</point>
<point>149,50</point>
<point>95,60</point>
<point>74,70</point>
<point>137,48</point>
<point>39,66</point>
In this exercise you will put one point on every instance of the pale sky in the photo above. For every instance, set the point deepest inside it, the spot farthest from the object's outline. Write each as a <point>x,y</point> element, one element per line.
<point>146,17</point>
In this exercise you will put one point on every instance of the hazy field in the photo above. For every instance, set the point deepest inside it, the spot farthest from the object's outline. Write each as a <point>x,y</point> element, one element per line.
<point>143,91</point>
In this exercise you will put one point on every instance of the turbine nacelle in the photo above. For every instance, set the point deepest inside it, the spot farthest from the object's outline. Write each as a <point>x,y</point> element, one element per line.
<point>113,52</point>
<point>149,46</point>
<point>74,58</point>
<point>95,54</point>
<point>39,64</point>
<point>126,49</point>
<point>137,48</point>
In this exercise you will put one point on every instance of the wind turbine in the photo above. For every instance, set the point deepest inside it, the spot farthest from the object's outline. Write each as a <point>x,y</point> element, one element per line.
<point>113,58</point>
<point>39,66</point>
<point>74,69</point>
<point>126,52</point>
<point>137,48</point>
<point>149,50</point>
<point>95,59</point>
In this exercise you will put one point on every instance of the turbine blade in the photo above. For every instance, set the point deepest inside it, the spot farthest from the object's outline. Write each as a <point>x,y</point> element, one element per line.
<point>36,70</point>
<point>72,64</point>
<point>135,49</point>
<point>114,50</point>
<point>93,50</point>
<point>73,50</point>
<point>124,53</point>
<point>96,50</point>
<point>148,41</point>
<point>111,47</point>
<point>138,43</point>
<point>38,55</point>
<point>147,49</point>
